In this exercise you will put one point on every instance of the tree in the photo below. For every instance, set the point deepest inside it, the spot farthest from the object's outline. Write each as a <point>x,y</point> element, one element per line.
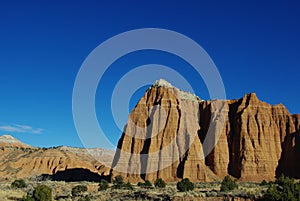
<point>228,184</point>
<point>42,193</point>
<point>185,185</point>
<point>78,190</point>
<point>19,183</point>
<point>103,185</point>
<point>159,183</point>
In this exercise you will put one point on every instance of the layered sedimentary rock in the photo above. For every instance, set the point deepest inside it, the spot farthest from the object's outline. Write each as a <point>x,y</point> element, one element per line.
<point>20,161</point>
<point>173,134</point>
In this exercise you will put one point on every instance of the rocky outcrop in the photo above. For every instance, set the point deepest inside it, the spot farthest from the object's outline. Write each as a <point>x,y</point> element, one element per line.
<point>170,134</point>
<point>24,162</point>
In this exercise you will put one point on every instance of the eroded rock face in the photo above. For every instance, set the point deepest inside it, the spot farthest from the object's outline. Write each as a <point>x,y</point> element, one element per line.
<point>16,162</point>
<point>170,133</point>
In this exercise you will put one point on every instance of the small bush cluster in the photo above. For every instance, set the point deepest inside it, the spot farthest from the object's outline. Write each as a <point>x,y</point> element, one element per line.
<point>146,184</point>
<point>159,183</point>
<point>28,198</point>
<point>228,184</point>
<point>185,185</point>
<point>40,193</point>
<point>284,188</point>
<point>79,190</point>
<point>127,186</point>
<point>118,183</point>
<point>19,183</point>
<point>103,185</point>
<point>263,183</point>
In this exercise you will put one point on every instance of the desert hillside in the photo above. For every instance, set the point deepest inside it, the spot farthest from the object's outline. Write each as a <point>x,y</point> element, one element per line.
<point>18,160</point>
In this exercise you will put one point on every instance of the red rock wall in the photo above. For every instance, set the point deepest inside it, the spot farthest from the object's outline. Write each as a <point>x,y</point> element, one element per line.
<point>256,142</point>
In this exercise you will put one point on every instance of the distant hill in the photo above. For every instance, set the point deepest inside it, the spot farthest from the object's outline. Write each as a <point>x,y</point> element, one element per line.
<point>9,141</point>
<point>19,160</point>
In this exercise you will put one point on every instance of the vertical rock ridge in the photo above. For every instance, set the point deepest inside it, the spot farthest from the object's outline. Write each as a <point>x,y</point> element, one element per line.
<point>255,142</point>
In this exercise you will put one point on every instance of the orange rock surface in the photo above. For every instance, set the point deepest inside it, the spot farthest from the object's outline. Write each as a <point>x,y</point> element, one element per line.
<point>20,161</point>
<point>253,139</point>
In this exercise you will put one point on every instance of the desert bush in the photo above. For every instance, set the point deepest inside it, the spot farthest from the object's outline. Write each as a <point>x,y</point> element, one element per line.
<point>85,198</point>
<point>103,185</point>
<point>185,185</point>
<point>146,184</point>
<point>228,184</point>
<point>159,183</point>
<point>211,194</point>
<point>42,193</point>
<point>78,190</point>
<point>263,183</point>
<point>40,178</point>
<point>19,183</point>
<point>118,182</point>
<point>127,186</point>
<point>284,188</point>
<point>27,198</point>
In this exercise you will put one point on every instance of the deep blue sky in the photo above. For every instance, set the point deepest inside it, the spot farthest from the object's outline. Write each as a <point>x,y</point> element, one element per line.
<point>254,44</point>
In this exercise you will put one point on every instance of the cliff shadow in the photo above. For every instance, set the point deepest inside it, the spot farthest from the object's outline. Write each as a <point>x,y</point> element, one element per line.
<point>288,163</point>
<point>76,174</point>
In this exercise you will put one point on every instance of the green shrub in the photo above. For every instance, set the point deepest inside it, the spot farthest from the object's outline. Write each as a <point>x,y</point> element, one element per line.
<point>127,186</point>
<point>284,188</point>
<point>27,198</point>
<point>159,183</point>
<point>263,183</point>
<point>42,193</point>
<point>103,185</point>
<point>19,183</point>
<point>185,185</point>
<point>146,184</point>
<point>228,184</point>
<point>78,190</point>
<point>118,182</point>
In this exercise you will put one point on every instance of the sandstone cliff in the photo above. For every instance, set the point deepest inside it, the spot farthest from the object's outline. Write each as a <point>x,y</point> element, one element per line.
<point>170,132</point>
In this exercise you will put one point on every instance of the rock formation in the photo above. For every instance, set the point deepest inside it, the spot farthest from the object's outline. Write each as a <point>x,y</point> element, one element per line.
<point>9,141</point>
<point>20,161</point>
<point>170,134</point>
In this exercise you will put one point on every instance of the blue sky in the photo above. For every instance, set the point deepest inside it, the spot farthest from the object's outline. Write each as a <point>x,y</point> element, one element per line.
<point>254,44</point>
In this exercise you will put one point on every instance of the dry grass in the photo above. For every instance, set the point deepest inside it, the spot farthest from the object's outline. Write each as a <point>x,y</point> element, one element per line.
<point>62,191</point>
<point>8,193</point>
